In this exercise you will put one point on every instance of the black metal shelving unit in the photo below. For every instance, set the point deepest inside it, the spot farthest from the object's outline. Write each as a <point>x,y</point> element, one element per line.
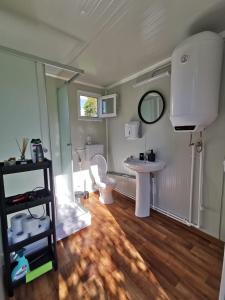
<point>44,255</point>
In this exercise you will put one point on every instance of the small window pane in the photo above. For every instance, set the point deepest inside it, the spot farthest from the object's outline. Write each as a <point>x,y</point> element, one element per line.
<point>88,106</point>
<point>107,106</point>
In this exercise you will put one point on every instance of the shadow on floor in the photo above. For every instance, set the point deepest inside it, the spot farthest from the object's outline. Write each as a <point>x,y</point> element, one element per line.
<point>123,257</point>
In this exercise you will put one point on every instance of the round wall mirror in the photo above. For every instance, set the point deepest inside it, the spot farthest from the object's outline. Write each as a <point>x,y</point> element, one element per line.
<point>151,107</point>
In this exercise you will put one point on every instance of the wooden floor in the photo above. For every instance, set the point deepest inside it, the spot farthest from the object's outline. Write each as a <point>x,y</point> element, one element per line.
<point>123,257</point>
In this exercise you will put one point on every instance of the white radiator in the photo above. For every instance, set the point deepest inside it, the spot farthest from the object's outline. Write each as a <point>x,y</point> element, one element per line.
<point>125,184</point>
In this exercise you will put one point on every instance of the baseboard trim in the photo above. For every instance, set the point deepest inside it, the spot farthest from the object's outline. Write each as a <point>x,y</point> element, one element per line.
<point>191,228</point>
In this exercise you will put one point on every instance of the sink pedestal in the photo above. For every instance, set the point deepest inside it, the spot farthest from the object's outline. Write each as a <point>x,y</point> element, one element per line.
<point>142,206</point>
<point>143,169</point>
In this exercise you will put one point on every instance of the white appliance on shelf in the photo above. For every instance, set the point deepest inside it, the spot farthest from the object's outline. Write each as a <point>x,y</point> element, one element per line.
<point>195,82</point>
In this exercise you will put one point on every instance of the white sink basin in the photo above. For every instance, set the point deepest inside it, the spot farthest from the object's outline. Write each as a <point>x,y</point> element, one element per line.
<point>143,169</point>
<point>144,166</point>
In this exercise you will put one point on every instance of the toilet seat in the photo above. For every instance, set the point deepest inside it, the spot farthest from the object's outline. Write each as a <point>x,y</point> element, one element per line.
<point>105,184</point>
<point>99,167</point>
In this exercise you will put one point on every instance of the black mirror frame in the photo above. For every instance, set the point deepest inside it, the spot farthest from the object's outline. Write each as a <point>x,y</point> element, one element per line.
<point>142,99</point>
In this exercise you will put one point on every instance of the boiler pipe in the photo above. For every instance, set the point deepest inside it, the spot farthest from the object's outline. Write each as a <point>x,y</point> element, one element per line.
<point>200,187</point>
<point>191,182</point>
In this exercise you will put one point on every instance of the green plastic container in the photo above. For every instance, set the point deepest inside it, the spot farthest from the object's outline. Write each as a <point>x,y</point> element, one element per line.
<point>39,271</point>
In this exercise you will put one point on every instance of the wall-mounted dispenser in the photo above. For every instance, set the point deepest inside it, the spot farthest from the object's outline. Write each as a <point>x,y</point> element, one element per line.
<point>132,130</point>
<point>195,82</point>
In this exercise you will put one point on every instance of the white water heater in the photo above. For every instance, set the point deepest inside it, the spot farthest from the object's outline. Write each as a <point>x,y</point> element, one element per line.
<point>195,82</point>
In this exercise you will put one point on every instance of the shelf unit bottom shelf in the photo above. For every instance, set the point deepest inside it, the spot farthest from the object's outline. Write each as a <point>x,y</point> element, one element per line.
<point>36,260</point>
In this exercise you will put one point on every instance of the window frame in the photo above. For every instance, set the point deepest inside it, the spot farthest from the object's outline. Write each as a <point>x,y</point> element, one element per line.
<point>113,98</point>
<point>88,94</point>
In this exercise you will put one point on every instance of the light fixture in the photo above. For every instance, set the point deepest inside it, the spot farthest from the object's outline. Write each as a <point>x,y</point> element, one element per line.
<point>153,78</point>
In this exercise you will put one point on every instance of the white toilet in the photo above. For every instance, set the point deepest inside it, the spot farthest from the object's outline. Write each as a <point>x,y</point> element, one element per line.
<point>104,184</point>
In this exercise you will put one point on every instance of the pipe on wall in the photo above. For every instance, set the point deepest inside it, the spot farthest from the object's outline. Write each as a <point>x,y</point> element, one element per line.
<point>191,183</point>
<point>200,185</point>
<point>107,141</point>
<point>171,215</point>
<point>200,194</point>
<point>154,190</point>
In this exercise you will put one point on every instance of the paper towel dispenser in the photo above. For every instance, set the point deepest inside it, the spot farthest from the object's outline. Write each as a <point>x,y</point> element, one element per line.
<point>132,130</point>
<point>195,82</point>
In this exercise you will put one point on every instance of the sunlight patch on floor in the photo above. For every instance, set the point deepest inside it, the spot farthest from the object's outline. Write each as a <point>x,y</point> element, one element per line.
<point>105,257</point>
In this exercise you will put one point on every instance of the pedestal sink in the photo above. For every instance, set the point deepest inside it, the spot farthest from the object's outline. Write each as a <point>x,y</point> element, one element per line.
<point>143,169</point>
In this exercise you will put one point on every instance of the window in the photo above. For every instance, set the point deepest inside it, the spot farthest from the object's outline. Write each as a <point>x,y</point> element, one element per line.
<point>88,105</point>
<point>107,106</point>
<point>93,106</point>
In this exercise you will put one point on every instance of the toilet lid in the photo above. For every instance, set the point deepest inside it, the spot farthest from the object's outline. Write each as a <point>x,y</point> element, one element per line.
<point>99,161</point>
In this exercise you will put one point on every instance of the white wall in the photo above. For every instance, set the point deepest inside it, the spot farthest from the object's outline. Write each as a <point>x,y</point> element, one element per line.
<point>20,89</point>
<point>174,180</point>
<point>170,147</point>
<point>19,116</point>
<point>23,113</point>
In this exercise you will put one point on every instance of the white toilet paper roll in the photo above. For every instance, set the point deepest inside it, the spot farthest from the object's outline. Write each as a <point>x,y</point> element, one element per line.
<point>41,229</point>
<point>30,225</point>
<point>38,231</point>
<point>19,237</point>
<point>34,247</point>
<point>16,223</point>
<point>45,222</point>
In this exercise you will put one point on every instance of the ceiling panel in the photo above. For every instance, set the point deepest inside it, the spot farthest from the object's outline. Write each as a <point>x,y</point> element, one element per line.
<point>109,39</point>
<point>36,38</point>
<point>147,34</point>
<point>80,18</point>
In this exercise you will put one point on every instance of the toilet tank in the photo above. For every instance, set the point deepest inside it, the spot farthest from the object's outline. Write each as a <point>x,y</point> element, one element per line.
<point>195,82</point>
<point>91,150</point>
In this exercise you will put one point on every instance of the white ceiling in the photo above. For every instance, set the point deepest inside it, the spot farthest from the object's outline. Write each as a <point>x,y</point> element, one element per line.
<point>109,39</point>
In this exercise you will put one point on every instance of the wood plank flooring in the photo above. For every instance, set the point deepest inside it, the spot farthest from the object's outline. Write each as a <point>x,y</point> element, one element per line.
<point>123,257</point>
